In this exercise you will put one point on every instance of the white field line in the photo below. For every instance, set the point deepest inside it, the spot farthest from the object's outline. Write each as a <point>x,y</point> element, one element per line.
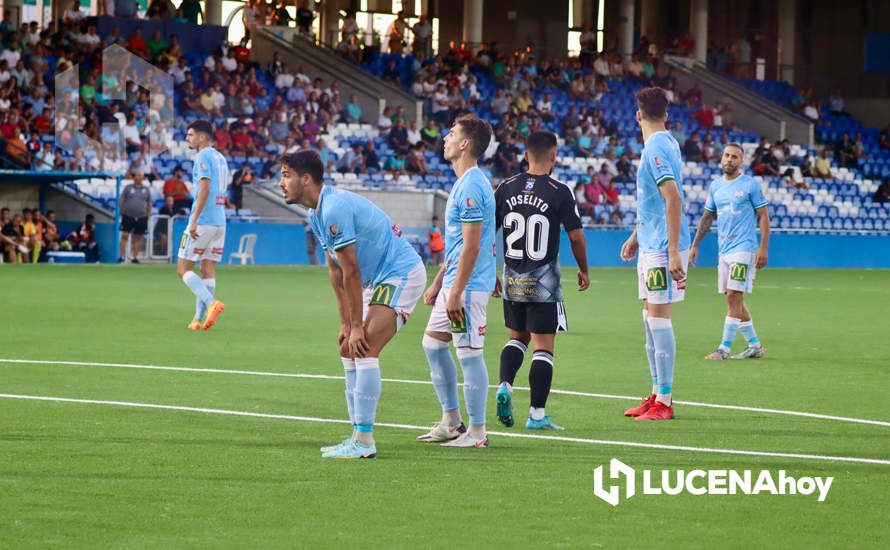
<point>817,416</point>
<point>615,443</point>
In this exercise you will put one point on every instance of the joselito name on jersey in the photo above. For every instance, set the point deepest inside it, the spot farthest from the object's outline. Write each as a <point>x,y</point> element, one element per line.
<point>531,209</point>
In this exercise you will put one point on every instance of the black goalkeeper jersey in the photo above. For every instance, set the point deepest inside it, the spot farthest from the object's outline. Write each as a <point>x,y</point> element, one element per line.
<point>530,209</point>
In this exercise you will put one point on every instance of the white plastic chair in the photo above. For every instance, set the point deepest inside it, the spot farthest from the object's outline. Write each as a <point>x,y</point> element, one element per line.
<point>245,249</point>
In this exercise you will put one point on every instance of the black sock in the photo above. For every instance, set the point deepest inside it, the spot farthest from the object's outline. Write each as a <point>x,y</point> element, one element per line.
<point>539,378</point>
<point>511,360</point>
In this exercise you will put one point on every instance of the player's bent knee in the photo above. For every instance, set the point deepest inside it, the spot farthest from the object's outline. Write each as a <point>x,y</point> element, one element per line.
<point>431,342</point>
<point>467,352</point>
<point>441,337</point>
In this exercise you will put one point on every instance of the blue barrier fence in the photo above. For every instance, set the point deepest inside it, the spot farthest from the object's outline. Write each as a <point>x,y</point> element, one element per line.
<point>285,243</point>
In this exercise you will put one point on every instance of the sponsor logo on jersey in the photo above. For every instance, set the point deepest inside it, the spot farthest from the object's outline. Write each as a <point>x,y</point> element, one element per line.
<point>471,202</point>
<point>398,230</point>
<point>739,194</point>
<point>382,294</point>
<point>482,330</point>
<point>529,185</point>
<point>334,230</point>
<point>657,161</point>
<point>203,166</point>
<point>656,279</point>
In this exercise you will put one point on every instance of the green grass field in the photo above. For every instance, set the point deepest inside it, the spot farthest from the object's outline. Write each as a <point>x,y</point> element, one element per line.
<point>103,475</point>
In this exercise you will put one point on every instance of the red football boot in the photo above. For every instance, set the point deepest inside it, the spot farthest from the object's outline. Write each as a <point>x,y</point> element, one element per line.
<point>642,408</point>
<point>658,411</point>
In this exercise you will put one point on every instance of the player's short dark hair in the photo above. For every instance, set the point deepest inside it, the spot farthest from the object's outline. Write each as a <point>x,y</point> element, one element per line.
<point>652,103</point>
<point>305,162</point>
<point>202,126</point>
<point>539,144</point>
<point>477,131</point>
<point>737,146</point>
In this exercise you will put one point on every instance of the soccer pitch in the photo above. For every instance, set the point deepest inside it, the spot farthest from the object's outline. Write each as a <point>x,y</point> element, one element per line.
<point>231,459</point>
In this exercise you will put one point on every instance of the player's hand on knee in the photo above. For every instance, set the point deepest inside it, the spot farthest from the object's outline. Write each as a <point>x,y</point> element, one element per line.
<point>343,336</point>
<point>583,281</point>
<point>358,345</point>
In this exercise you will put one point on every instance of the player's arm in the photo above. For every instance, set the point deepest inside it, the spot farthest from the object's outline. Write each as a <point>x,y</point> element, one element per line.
<point>629,248</point>
<point>673,209</point>
<point>198,207</point>
<point>472,236</point>
<point>762,255</point>
<point>704,225</point>
<point>579,249</point>
<point>335,274</point>
<point>429,296</point>
<point>352,299</point>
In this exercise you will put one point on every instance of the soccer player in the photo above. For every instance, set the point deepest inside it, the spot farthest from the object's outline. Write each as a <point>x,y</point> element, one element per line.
<point>205,235</point>
<point>459,294</point>
<point>738,204</point>
<point>662,238</point>
<point>530,207</point>
<point>364,250</point>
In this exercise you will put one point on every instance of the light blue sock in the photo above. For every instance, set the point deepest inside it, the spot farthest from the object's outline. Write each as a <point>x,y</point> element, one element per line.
<point>665,351</point>
<point>650,352</point>
<point>198,288</point>
<point>200,307</point>
<point>367,393</point>
<point>730,326</point>
<point>475,383</point>
<point>443,372</point>
<point>747,329</point>
<point>349,372</point>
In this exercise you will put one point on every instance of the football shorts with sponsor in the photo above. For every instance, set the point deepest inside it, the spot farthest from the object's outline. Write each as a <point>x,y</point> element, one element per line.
<point>470,333</point>
<point>655,283</point>
<point>208,246</point>
<point>736,271</point>
<point>399,293</point>
<point>537,317</point>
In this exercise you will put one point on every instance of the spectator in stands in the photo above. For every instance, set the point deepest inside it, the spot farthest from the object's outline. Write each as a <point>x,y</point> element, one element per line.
<point>135,208</point>
<point>175,188</point>
<point>352,111</point>
<point>811,111</point>
<point>74,15</point>
<point>43,160</point>
<point>311,128</point>
<point>17,149</point>
<point>352,160</point>
<point>372,161</point>
<point>384,122</point>
<point>240,178</point>
<point>584,206</point>
<point>626,170</point>
<point>305,17</point>
<point>704,116</point>
<point>836,103</point>
<point>789,179</point>
<point>609,194</point>
<point>586,140</point>
<point>506,156</point>
<point>429,135</point>
<point>822,167</point>
<point>415,161</point>
<point>13,238</point>
<point>693,96</point>
<point>422,31</point>
<point>884,139</point>
<point>844,153</point>
<point>396,34</point>
<point>858,147</point>
<point>692,149</point>
<point>136,43</point>
<point>882,195</point>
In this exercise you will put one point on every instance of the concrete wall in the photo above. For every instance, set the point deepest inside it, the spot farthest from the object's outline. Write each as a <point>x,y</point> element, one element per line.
<point>18,196</point>
<point>874,111</point>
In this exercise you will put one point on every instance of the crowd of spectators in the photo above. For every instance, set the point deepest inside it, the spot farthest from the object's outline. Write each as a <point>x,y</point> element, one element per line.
<point>28,237</point>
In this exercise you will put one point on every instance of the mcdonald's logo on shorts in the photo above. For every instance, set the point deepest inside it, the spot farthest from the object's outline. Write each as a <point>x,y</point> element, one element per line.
<point>382,295</point>
<point>738,272</point>
<point>656,279</point>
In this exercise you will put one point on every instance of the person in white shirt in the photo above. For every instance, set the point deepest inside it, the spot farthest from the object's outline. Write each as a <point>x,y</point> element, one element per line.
<point>74,14</point>
<point>601,65</point>
<point>384,123</point>
<point>284,80</point>
<point>178,71</point>
<point>545,107</point>
<point>413,133</point>
<point>228,62</point>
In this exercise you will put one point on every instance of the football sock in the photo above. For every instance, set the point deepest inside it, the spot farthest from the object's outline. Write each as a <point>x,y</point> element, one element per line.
<point>198,288</point>
<point>200,307</point>
<point>747,329</point>
<point>540,375</point>
<point>475,384</point>
<point>536,413</point>
<point>511,360</point>
<point>443,372</point>
<point>650,352</point>
<point>367,392</point>
<point>730,326</point>
<point>665,350</point>
<point>349,372</point>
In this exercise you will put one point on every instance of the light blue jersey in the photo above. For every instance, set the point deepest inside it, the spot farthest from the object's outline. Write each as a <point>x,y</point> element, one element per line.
<point>210,164</point>
<point>735,203</point>
<point>471,201</point>
<point>343,218</point>
<point>659,163</point>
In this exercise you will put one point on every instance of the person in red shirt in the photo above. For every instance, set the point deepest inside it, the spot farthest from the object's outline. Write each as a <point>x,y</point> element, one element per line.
<point>137,44</point>
<point>240,52</point>
<point>242,142</point>
<point>223,139</point>
<point>175,187</point>
<point>436,243</point>
<point>704,116</point>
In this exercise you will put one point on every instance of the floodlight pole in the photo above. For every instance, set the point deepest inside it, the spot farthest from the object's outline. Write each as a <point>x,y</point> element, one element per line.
<point>115,254</point>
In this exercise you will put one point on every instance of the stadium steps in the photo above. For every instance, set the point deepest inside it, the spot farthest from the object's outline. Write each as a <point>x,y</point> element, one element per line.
<point>267,203</point>
<point>373,93</point>
<point>750,110</point>
<point>67,201</point>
